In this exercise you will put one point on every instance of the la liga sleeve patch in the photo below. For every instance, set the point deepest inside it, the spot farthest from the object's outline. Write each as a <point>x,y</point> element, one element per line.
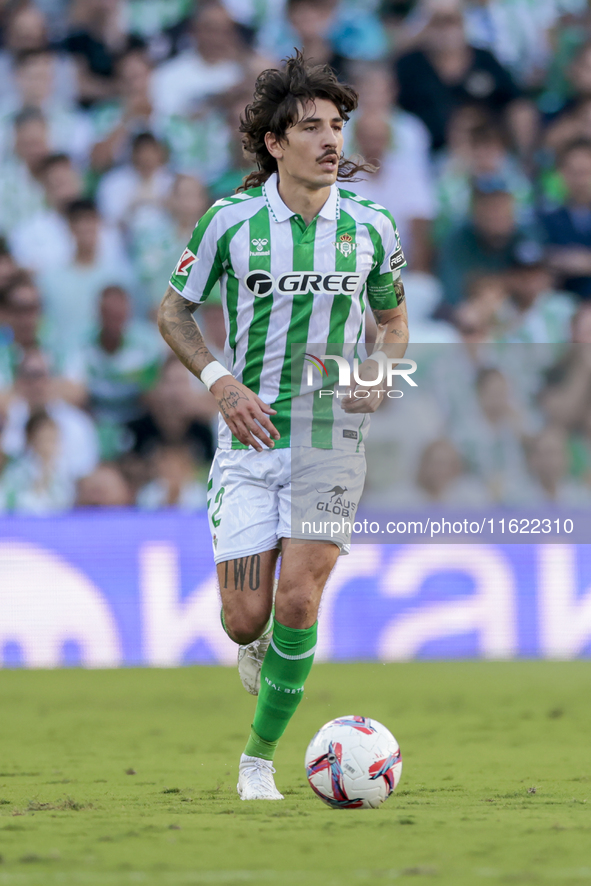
<point>187,259</point>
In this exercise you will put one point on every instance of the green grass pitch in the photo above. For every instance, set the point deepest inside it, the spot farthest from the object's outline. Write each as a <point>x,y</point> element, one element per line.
<point>117,778</point>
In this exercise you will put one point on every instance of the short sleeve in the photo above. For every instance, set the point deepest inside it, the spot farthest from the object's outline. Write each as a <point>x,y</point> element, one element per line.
<point>389,262</point>
<point>201,265</point>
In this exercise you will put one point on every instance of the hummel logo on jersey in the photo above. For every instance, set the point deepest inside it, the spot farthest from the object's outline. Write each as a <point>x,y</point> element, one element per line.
<point>259,244</point>
<point>187,259</point>
<point>345,244</point>
<point>261,283</point>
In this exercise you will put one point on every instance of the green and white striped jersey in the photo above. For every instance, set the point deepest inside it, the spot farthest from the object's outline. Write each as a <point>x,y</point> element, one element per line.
<point>285,284</point>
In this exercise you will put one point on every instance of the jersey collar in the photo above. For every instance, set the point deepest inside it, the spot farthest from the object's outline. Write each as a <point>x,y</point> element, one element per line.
<point>280,212</point>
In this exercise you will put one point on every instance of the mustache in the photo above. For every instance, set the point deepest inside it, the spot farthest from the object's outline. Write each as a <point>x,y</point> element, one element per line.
<point>329,153</point>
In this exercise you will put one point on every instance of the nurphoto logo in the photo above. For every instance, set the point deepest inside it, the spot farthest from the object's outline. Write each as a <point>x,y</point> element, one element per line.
<point>315,362</point>
<point>386,370</point>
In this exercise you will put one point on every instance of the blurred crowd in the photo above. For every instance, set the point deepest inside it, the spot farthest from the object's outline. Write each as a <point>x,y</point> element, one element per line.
<point>489,424</point>
<point>119,127</point>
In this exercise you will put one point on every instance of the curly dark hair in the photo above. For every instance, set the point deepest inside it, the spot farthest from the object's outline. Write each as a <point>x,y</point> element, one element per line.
<point>277,102</point>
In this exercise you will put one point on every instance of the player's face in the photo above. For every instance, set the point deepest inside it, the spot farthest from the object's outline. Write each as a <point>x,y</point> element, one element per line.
<point>310,151</point>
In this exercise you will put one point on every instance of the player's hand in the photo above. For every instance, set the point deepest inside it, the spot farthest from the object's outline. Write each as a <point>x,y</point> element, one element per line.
<point>246,415</point>
<point>362,403</point>
<point>368,371</point>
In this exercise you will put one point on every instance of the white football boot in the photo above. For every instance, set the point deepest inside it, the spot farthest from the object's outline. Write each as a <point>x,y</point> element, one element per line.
<point>250,662</point>
<point>251,657</point>
<point>255,779</point>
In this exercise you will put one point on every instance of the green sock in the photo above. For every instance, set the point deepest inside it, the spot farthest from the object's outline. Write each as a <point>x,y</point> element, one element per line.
<point>287,664</point>
<point>258,747</point>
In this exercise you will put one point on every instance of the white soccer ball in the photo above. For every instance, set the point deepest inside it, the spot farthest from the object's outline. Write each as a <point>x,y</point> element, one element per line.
<point>353,763</point>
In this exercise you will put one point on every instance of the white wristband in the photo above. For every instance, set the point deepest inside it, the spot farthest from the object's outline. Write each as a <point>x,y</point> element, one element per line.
<point>212,372</point>
<point>378,356</point>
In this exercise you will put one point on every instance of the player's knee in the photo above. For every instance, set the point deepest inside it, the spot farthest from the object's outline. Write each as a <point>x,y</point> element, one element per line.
<point>297,609</point>
<point>245,628</point>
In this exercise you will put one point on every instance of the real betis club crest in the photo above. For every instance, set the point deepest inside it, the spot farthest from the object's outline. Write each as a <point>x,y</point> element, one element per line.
<point>345,244</point>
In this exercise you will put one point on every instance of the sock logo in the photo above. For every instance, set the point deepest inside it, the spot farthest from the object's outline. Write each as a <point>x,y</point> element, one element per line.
<point>283,689</point>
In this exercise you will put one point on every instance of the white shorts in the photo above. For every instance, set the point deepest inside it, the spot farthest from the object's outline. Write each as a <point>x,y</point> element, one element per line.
<point>254,499</point>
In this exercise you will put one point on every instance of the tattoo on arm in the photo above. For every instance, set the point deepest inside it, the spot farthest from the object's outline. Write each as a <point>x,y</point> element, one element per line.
<point>180,331</point>
<point>393,324</point>
<point>400,333</point>
<point>232,395</point>
<point>399,290</point>
<point>243,567</point>
<point>382,317</point>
